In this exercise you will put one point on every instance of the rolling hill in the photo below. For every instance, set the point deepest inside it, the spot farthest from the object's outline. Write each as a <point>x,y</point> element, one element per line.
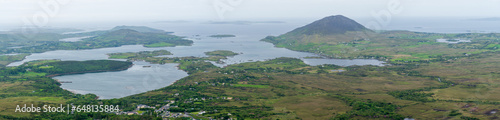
<point>331,25</point>
<point>341,37</point>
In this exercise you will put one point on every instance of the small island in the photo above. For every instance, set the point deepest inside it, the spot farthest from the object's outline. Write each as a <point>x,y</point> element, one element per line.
<point>222,36</point>
<point>224,53</point>
<point>141,54</point>
<point>313,57</point>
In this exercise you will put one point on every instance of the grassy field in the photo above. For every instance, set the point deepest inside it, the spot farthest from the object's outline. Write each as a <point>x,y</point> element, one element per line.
<point>33,74</point>
<point>251,86</point>
<point>312,106</point>
<point>224,53</point>
<point>394,46</point>
<point>295,90</point>
<point>130,55</point>
<point>7,59</point>
<point>481,68</point>
<point>291,89</point>
<point>477,78</point>
<point>161,44</point>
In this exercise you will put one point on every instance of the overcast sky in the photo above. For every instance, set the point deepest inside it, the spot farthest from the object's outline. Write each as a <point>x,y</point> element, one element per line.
<point>14,11</point>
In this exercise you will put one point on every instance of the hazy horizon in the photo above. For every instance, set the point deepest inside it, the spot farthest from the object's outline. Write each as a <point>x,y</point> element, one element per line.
<point>64,13</point>
<point>130,10</point>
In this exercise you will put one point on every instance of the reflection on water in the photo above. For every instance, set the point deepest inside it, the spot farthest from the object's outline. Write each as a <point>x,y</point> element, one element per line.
<point>134,80</point>
<point>82,55</point>
<point>343,62</point>
<point>74,39</point>
<point>452,41</point>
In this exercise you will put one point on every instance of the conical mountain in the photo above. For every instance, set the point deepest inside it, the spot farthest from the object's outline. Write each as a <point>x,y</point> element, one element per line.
<point>324,36</point>
<point>331,25</point>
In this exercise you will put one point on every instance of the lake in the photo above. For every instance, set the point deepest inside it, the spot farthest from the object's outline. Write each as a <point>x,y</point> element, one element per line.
<point>452,41</point>
<point>134,80</point>
<point>137,79</point>
<point>74,39</point>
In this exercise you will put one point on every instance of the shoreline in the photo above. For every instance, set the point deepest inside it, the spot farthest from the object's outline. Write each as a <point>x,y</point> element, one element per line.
<point>75,91</point>
<point>100,97</point>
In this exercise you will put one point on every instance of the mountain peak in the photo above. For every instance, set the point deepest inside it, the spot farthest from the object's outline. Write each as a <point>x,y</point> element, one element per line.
<point>337,24</point>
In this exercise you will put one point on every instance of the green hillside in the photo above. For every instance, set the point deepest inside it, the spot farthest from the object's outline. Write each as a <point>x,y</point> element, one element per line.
<point>391,46</point>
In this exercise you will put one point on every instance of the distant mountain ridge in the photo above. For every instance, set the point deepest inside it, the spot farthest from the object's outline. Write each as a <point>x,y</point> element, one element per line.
<point>337,24</point>
<point>142,29</point>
